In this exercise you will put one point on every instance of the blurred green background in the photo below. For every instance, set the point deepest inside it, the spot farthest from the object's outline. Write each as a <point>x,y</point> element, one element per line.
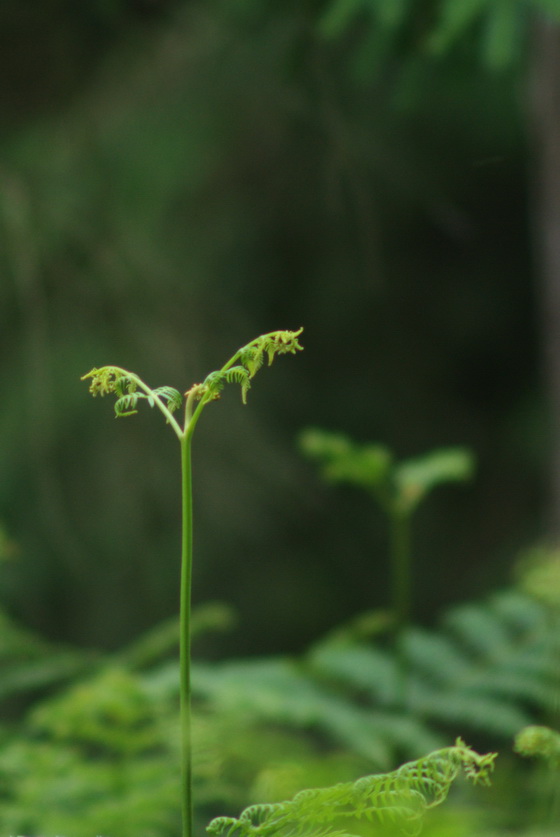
<point>179,177</point>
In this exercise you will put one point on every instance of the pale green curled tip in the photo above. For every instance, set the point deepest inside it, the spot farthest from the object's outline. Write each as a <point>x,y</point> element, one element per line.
<point>539,741</point>
<point>244,365</point>
<point>103,380</point>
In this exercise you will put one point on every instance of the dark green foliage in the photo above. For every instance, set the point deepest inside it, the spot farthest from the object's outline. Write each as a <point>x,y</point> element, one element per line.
<point>500,27</point>
<point>103,752</point>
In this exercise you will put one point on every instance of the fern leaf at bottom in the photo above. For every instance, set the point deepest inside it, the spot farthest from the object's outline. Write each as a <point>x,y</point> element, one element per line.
<point>398,799</point>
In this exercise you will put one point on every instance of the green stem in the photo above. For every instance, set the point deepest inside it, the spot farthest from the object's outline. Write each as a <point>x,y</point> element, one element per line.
<point>185,636</point>
<point>401,587</point>
<point>401,561</point>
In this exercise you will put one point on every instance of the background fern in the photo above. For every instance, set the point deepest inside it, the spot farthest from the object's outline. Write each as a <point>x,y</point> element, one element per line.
<point>490,669</point>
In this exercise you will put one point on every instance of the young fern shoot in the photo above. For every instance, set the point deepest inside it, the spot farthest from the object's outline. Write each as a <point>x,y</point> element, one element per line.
<point>129,390</point>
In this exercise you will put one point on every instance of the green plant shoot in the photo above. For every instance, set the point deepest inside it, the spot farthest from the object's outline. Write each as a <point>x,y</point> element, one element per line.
<point>129,390</point>
<point>398,488</point>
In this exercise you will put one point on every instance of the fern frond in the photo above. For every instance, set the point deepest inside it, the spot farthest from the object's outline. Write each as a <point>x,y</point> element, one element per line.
<point>272,344</point>
<point>124,385</point>
<point>283,692</point>
<point>401,797</point>
<point>281,343</point>
<point>414,478</point>
<point>397,487</point>
<point>492,666</point>
<point>126,404</point>
<point>366,466</point>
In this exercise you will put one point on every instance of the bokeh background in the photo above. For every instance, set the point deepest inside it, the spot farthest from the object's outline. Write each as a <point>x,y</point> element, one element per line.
<point>177,178</point>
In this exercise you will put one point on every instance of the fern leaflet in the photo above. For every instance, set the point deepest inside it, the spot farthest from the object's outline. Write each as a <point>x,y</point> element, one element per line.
<point>126,404</point>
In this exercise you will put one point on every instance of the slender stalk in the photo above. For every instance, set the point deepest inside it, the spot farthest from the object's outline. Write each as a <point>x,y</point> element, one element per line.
<point>185,635</point>
<point>400,561</point>
<point>401,589</point>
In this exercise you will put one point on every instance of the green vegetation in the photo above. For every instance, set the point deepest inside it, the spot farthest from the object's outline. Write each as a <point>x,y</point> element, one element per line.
<point>176,175</point>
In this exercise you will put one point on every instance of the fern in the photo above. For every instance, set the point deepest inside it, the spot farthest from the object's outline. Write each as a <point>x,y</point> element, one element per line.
<point>399,798</point>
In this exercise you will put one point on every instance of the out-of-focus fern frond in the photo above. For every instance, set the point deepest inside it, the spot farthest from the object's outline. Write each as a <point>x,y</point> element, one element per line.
<point>155,644</point>
<point>539,741</point>
<point>30,663</point>
<point>395,485</point>
<point>415,478</point>
<point>282,691</point>
<point>492,667</point>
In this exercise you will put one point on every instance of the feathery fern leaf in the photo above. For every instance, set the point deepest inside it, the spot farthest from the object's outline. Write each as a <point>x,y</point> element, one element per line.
<point>399,798</point>
<point>171,396</point>
<point>126,405</point>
